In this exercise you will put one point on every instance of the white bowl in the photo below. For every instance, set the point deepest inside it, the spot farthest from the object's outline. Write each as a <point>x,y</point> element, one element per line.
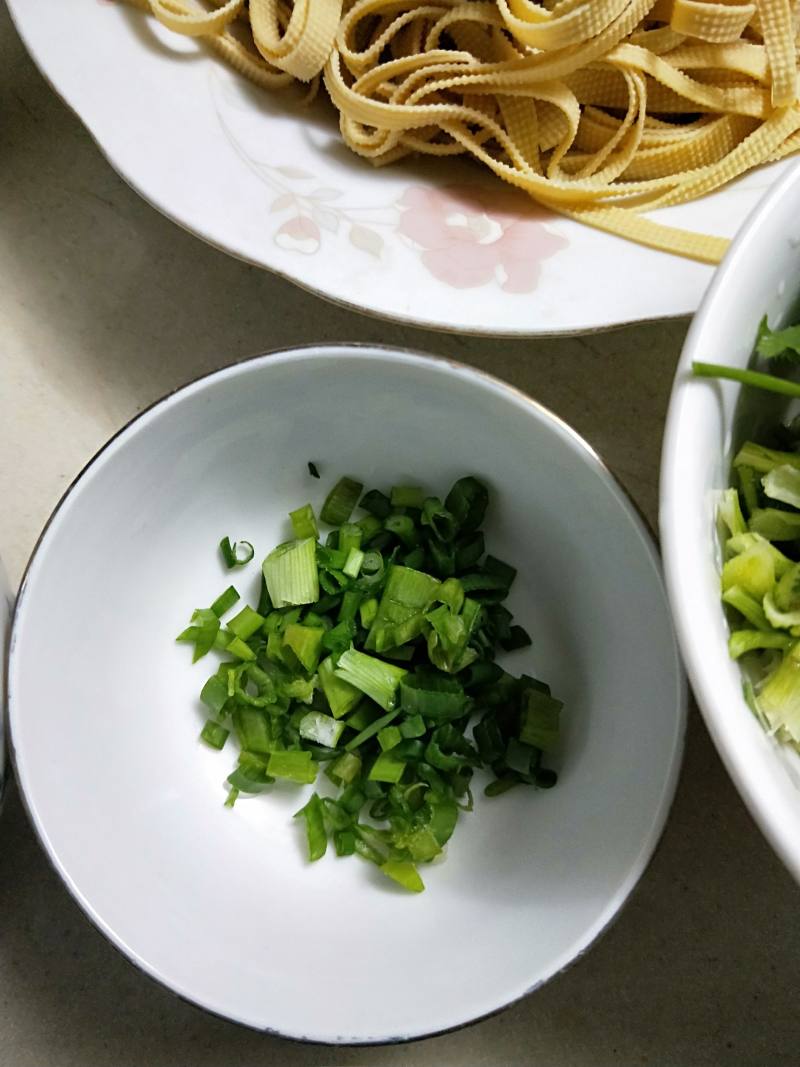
<point>706,423</point>
<point>221,905</point>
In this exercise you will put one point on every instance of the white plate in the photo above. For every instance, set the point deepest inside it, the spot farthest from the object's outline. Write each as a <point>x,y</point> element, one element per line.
<point>222,905</point>
<point>437,244</point>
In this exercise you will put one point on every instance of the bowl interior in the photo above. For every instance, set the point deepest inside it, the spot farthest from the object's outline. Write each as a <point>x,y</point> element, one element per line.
<point>707,422</point>
<point>221,905</point>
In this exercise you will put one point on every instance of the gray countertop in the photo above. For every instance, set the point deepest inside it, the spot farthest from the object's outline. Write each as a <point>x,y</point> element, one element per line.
<point>105,306</point>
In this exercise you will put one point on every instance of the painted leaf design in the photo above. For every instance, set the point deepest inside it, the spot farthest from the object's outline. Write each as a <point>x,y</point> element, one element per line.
<point>280,203</point>
<point>294,172</point>
<point>367,240</point>
<point>326,218</point>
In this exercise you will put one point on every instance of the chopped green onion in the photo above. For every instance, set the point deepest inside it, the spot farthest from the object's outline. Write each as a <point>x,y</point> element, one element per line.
<point>769,382</point>
<point>232,555</point>
<point>237,647</point>
<point>378,680</point>
<point>213,734</point>
<point>387,768</point>
<point>322,729</point>
<point>253,729</point>
<point>304,523</point>
<point>404,873</point>
<point>433,696</point>
<point>388,737</point>
<point>539,719</point>
<point>224,601</point>
<point>370,729</point>
<point>746,605</point>
<point>403,527</point>
<point>214,694</point>
<point>305,642</point>
<point>341,696</point>
<point>316,837</point>
<point>775,525</point>
<point>517,638</point>
<point>370,526</point>
<point>436,515</point>
<point>340,501</point>
<point>406,496</point>
<point>376,504</point>
<point>312,469</point>
<point>353,564</point>
<point>467,502</point>
<point>344,841</point>
<point>346,769</point>
<point>290,571</point>
<point>469,550</point>
<point>297,766</point>
<point>350,535</point>
<point>245,624</point>
<point>762,459</point>
<point>367,611</point>
<point>400,616</point>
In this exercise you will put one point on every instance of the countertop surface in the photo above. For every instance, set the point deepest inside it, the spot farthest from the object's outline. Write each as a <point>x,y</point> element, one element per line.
<point>104,307</point>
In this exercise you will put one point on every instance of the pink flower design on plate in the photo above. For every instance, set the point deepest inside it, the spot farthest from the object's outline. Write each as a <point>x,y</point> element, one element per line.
<point>471,235</point>
<point>299,234</point>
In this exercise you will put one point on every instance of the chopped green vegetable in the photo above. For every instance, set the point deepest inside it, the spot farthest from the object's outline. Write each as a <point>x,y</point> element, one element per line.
<point>237,554</point>
<point>340,501</point>
<point>369,653</point>
<point>290,572</point>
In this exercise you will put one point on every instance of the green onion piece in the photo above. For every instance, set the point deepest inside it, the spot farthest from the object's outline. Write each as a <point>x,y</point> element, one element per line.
<point>467,502</point>
<point>387,768</point>
<point>483,583</point>
<point>233,796</point>
<point>202,633</point>
<point>340,501</point>
<point>304,523</point>
<point>344,841</point>
<point>432,696</point>
<point>413,726</point>
<point>377,679</point>
<point>519,756</point>
<point>370,729</point>
<point>400,617</point>
<point>748,487</point>
<point>265,605</point>
<point>779,699</point>
<point>772,344</point>
<point>787,591</point>
<point>365,713</point>
<point>350,535</point>
<point>339,638</point>
<point>376,503</point>
<point>350,605</point>
<point>294,765</point>
<point>370,526</point>
<point>406,496</point>
<point>450,634</point>
<point>539,719</point>
<point>313,470</point>
<point>324,730</point>
<point>345,770</point>
<point>254,730</point>
<point>248,780</point>
<point>415,558</point>
<point>353,565</point>
<point>779,619</point>
<point>469,550</point>
<point>783,483</point>
<point>341,696</point>
<point>404,873</point>
<point>214,694</point>
<point>443,559</point>
<point>232,555</point>
<point>517,638</point>
<point>403,527</point>
<point>757,379</point>
<point>224,601</point>
<point>388,737</point>
<point>545,778</point>
<point>290,571</point>
<point>367,611</point>
<point>301,689</point>
<point>749,640</point>
<point>237,647</point>
<point>499,786</point>
<point>451,593</point>
<point>436,515</point>
<point>213,734</point>
<point>317,839</point>
<point>245,624</point>
<point>763,459</point>
<point>775,525</point>
<point>746,605</point>
<point>305,642</point>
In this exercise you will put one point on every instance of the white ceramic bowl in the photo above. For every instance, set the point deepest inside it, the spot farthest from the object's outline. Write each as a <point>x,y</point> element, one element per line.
<point>221,905</point>
<point>707,422</point>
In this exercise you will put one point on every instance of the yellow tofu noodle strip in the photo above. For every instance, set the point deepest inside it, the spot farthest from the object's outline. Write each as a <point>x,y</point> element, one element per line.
<point>600,110</point>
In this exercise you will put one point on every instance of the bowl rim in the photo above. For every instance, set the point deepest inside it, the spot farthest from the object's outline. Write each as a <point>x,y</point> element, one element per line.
<point>675,543</point>
<point>428,363</point>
